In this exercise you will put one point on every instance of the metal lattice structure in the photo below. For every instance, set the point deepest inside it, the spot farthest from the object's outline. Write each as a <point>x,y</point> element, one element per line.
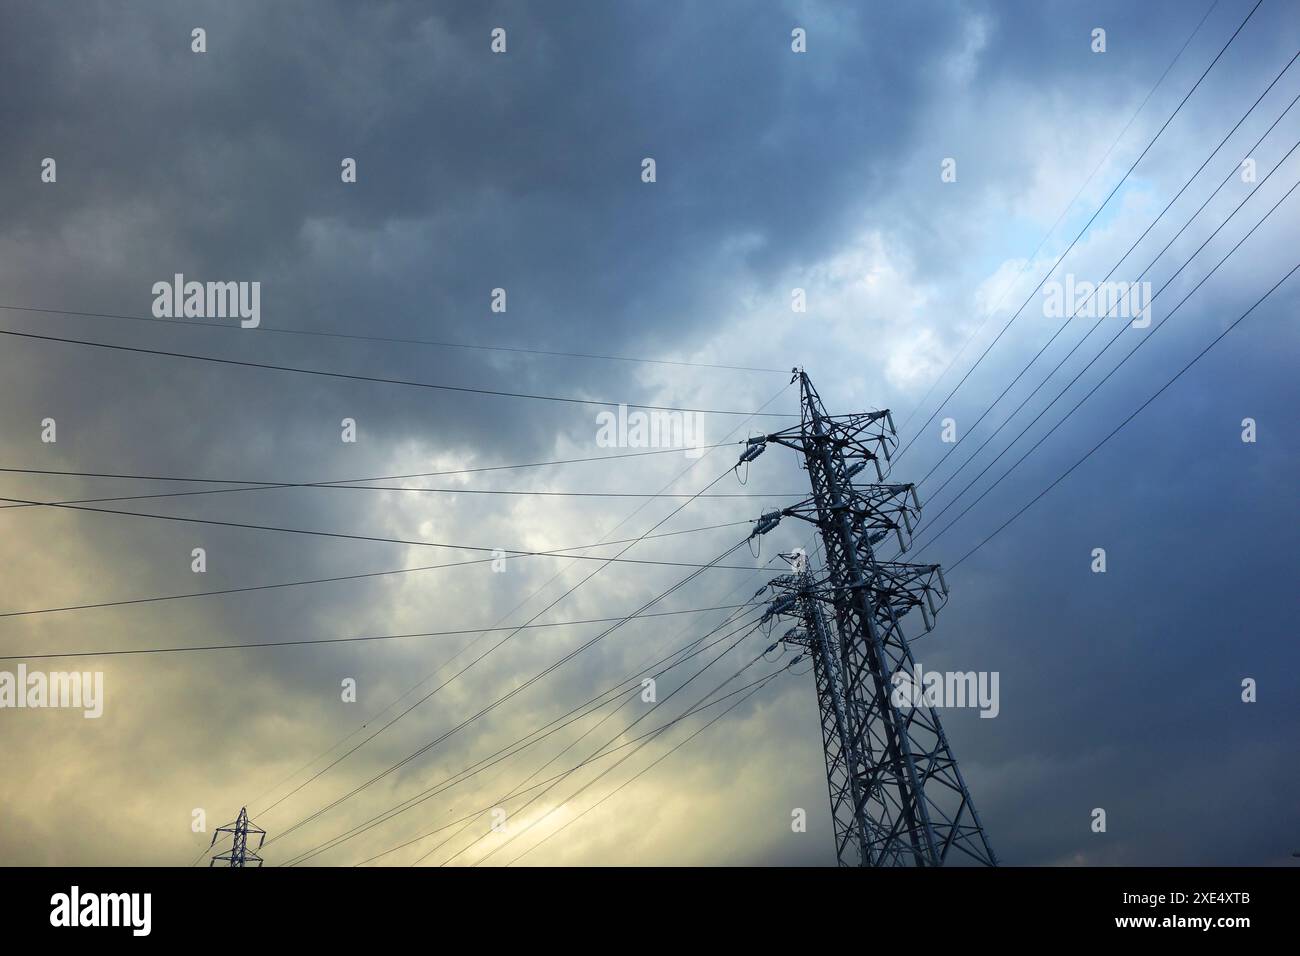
<point>897,796</point>
<point>239,854</point>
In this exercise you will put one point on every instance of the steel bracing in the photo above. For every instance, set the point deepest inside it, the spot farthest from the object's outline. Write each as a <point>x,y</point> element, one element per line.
<point>897,795</point>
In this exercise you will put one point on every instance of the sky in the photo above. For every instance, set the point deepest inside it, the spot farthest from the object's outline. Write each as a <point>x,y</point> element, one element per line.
<point>523,170</point>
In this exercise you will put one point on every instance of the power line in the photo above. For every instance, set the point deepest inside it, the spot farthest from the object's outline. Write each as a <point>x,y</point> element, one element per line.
<point>1105,378</point>
<point>1068,206</point>
<point>518,688</point>
<point>644,536</point>
<point>658,760</point>
<point>1091,296</point>
<point>541,733</point>
<point>410,542</point>
<point>386,381</point>
<point>192,323</point>
<point>354,640</point>
<point>489,761</point>
<point>644,667</point>
<point>659,703</point>
<point>556,552</point>
<point>1106,315</point>
<point>1215,341</point>
<point>1085,228</point>
<point>483,764</point>
<point>506,492</point>
<point>548,783</point>
<point>658,730</point>
<point>352,481</point>
<point>488,652</point>
<point>510,750</point>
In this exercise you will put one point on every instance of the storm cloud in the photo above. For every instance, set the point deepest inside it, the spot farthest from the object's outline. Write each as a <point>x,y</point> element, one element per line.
<point>522,171</point>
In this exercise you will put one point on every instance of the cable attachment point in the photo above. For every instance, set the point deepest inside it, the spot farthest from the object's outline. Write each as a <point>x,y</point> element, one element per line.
<point>780,606</point>
<point>766,522</point>
<point>754,448</point>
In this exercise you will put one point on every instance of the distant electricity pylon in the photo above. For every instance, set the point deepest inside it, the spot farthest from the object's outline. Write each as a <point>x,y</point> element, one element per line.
<point>897,796</point>
<point>239,854</point>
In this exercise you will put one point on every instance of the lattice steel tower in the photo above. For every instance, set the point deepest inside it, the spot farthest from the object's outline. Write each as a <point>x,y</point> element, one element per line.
<point>897,795</point>
<point>239,854</point>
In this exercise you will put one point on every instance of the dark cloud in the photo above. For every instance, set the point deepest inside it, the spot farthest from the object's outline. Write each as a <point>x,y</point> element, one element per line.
<point>775,171</point>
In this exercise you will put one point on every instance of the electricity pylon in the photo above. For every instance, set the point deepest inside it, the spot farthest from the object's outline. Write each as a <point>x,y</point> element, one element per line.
<point>897,795</point>
<point>239,854</point>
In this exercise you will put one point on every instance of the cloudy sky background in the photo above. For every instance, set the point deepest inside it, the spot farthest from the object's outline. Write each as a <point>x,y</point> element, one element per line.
<point>522,171</point>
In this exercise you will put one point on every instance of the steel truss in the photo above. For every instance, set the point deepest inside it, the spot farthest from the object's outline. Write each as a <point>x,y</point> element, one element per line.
<point>239,854</point>
<point>897,796</point>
